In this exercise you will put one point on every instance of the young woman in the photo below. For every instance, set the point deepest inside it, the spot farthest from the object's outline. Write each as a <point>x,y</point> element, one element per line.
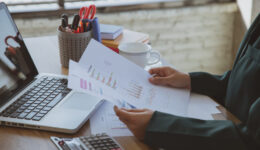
<point>238,90</point>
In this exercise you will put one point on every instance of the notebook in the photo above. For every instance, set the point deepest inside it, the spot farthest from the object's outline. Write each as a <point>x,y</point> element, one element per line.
<point>127,36</point>
<point>110,32</point>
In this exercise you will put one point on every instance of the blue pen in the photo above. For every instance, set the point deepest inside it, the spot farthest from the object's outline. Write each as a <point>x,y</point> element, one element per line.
<point>96,30</point>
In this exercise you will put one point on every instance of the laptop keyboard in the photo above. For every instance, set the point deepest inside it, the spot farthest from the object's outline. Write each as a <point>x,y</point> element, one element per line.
<point>38,100</point>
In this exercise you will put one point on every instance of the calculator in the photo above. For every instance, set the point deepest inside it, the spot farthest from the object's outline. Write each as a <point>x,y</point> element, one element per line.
<point>93,142</point>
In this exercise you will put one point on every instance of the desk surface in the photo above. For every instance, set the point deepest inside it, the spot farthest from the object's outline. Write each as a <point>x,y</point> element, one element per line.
<point>44,51</point>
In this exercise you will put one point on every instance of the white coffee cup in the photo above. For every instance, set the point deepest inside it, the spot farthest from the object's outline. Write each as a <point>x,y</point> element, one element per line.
<point>139,53</point>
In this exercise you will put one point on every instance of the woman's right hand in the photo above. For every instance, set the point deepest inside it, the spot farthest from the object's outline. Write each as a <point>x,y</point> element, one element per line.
<point>171,77</point>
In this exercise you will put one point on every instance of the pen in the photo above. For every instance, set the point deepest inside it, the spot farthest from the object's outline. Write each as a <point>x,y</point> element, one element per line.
<point>66,19</point>
<point>75,22</point>
<point>63,23</point>
<point>63,26</point>
<point>89,24</point>
<point>86,25</point>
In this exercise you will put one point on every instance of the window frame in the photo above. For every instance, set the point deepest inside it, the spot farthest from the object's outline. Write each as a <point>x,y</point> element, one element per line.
<point>59,7</point>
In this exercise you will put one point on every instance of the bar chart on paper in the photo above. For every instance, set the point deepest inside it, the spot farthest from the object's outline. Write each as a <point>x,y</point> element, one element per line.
<point>87,85</point>
<point>133,90</point>
<point>80,80</point>
<point>106,84</point>
<point>123,80</point>
<point>105,77</point>
<point>129,89</point>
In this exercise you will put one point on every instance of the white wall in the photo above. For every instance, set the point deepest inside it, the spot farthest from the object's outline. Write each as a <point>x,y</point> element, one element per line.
<point>245,7</point>
<point>255,9</point>
<point>249,10</point>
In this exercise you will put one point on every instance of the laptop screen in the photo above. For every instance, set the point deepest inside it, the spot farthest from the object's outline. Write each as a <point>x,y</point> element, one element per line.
<point>16,66</point>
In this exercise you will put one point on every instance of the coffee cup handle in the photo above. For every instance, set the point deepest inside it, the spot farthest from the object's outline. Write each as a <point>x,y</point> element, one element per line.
<point>154,54</point>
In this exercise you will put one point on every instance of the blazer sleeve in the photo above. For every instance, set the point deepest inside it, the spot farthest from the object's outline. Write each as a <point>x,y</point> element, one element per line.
<point>206,84</point>
<point>174,132</point>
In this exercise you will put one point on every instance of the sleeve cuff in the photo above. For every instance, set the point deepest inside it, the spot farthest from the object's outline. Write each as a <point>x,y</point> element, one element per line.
<point>158,125</point>
<point>195,79</point>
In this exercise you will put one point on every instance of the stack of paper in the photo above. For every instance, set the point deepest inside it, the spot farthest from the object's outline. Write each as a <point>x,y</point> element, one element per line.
<point>110,32</point>
<point>110,76</point>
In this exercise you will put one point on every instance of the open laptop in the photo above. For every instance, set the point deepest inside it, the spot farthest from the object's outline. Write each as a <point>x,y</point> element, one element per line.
<point>32,100</point>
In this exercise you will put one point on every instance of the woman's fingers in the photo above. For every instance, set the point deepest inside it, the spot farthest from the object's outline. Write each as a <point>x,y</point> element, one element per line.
<point>154,70</point>
<point>157,71</point>
<point>134,110</point>
<point>122,114</point>
<point>160,80</point>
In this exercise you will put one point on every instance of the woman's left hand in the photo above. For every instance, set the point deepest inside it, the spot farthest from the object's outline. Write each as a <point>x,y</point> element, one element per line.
<point>135,119</point>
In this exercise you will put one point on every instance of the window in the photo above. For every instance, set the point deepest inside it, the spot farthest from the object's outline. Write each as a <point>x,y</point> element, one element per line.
<point>43,7</point>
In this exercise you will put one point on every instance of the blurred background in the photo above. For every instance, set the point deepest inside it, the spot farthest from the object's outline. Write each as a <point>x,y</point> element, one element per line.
<point>192,35</point>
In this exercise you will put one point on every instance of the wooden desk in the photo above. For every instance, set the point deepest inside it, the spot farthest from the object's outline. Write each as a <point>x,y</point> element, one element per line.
<point>44,51</point>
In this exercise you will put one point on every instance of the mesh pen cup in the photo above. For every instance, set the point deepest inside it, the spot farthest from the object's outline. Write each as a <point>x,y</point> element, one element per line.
<point>72,45</point>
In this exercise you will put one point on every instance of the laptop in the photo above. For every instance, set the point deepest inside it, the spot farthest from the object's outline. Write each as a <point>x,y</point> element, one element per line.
<point>29,99</point>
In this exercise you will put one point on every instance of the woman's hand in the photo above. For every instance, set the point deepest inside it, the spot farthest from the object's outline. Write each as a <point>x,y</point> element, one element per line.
<point>138,119</point>
<point>171,77</point>
<point>135,119</point>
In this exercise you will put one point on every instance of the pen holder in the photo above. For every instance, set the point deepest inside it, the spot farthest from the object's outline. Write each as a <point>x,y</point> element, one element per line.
<point>72,45</point>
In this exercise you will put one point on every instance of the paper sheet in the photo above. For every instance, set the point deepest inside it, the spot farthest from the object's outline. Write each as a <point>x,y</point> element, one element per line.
<point>105,120</point>
<point>105,74</point>
<point>80,80</point>
<point>201,107</point>
<point>128,82</point>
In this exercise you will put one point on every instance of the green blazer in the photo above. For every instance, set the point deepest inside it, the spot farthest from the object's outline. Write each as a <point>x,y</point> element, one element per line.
<point>238,90</point>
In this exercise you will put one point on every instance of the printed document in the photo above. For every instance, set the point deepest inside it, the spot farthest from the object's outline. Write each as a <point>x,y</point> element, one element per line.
<point>103,73</point>
<point>117,79</point>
